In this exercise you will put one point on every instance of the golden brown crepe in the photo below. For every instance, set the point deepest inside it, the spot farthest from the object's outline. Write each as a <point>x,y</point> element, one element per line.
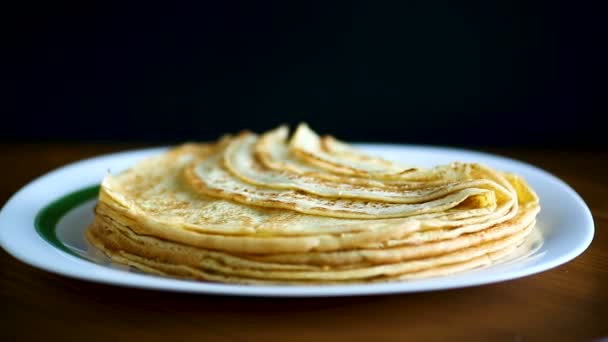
<point>264,209</point>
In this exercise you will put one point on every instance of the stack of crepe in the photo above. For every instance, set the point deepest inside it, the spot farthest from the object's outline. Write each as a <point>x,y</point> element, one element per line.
<point>306,209</point>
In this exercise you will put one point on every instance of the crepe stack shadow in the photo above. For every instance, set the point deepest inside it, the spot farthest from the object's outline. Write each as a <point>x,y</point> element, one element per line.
<point>306,209</point>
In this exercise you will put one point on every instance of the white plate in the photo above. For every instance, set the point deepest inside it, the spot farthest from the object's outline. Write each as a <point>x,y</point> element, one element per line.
<point>564,221</point>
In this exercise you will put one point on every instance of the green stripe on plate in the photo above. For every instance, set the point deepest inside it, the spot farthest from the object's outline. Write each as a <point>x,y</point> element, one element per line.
<point>47,219</point>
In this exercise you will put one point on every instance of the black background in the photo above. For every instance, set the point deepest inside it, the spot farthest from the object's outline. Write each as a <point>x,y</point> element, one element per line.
<point>433,72</point>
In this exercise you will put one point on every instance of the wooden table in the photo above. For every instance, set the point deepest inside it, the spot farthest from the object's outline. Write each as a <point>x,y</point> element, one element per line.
<point>566,303</point>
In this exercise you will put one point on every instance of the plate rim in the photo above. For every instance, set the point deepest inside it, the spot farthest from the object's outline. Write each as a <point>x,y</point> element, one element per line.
<point>152,282</point>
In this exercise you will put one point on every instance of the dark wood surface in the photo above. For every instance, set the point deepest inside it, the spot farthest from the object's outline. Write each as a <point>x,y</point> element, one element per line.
<point>569,302</point>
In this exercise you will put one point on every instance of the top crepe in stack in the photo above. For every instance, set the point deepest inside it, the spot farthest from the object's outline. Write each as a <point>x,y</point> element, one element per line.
<point>309,209</point>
